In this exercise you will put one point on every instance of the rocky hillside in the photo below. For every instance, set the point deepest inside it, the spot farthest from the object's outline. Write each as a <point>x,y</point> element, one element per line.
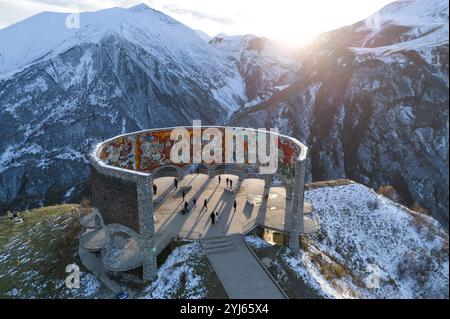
<point>406,251</point>
<point>389,252</point>
<point>34,256</point>
<point>265,67</point>
<point>371,103</point>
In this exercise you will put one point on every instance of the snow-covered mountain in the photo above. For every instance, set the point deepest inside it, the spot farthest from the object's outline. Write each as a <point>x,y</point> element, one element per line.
<point>370,99</point>
<point>61,90</point>
<point>371,103</point>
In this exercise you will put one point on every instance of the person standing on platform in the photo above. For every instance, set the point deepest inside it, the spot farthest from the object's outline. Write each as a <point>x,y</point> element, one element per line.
<point>205,204</point>
<point>235,205</point>
<point>213,218</point>
<point>175,183</point>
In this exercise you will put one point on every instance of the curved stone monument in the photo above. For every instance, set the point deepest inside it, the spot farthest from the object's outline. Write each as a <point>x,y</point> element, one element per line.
<point>123,169</point>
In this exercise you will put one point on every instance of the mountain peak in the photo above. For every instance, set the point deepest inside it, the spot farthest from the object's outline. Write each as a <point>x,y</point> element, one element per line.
<point>52,35</point>
<point>140,7</point>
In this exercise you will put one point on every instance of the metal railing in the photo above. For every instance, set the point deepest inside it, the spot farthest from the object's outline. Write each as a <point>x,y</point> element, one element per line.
<point>248,226</point>
<point>189,234</point>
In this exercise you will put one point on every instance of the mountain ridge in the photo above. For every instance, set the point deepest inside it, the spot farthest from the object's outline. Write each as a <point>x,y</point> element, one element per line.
<point>349,104</point>
<point>55,108</point>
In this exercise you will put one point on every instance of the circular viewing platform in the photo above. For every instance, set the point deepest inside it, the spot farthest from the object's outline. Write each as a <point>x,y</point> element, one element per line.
<point>136,184</point>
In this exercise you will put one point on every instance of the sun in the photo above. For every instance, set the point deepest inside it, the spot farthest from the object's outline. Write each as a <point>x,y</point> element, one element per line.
<point>293,22</point>
<point>297,22</point>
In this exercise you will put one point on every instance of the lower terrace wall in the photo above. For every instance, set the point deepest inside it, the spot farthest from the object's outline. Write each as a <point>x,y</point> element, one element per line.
<point>117,199</point>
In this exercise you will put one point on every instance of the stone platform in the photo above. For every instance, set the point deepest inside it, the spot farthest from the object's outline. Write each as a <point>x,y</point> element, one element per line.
<point>256,205</point>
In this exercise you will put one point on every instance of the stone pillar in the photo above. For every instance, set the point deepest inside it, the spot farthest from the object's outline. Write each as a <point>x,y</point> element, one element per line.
<point>147,227</point>
<point>297,226</point>
<point>267,182</point>
<point>289,186</point>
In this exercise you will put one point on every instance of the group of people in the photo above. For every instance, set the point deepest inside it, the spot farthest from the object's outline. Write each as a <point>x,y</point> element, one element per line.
<point>194,203</point>
<point>175,183</point>
<point>229,182</point>
<point>185,208</point>
<point>214,215</point>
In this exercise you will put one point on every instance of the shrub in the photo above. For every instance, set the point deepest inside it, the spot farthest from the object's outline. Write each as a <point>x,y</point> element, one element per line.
<point>390,192</point>
<point>421,221</point>
<point>329,269</point>
<point>419,209</point>
<point>85,202</point>
<point>373,204</point>
<point>416,266</point>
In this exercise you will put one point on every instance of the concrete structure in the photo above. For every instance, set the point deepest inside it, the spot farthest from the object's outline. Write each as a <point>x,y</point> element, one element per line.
<point>245,277</point>
<point>125,167</point>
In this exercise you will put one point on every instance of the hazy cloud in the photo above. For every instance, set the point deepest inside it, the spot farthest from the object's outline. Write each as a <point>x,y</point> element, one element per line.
<point>199,15</point>
<point>286,20</point>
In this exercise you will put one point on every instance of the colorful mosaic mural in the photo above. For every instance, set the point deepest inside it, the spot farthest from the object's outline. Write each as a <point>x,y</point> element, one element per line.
<point>147,151</point>
<point>288,152</point>
<point>153,150</point>
<point>120,152</point>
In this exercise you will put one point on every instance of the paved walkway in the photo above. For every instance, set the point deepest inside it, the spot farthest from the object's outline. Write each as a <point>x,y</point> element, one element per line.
<point>94,264</point>
<point>239,270</point>
<point>170,223</point>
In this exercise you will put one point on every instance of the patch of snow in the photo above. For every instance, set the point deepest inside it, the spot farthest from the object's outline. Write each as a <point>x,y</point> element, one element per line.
<point>69,193</point>
<point>256,242</point>
<point>176,272</point>
<point>361,228</point>
<point>282,87</point>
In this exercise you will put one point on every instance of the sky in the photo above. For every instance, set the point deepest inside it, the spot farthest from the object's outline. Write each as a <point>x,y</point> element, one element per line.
<point>289,21</point>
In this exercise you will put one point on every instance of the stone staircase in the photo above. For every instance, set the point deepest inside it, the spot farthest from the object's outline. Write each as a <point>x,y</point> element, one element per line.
<point>220,244</point>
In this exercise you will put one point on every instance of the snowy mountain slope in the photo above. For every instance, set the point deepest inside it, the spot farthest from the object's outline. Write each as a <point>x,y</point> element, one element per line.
<point>408,250</point>
<point>412,23</point>
<point>168,41</point>
<point>263,64</point>
<point>372,104</point>
<point>202,35</point>
<point>123,70</point>
<point>424,20</point>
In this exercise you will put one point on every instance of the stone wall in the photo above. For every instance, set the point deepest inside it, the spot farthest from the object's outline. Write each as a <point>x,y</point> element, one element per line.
<point>116,198</point>
<point>149,150</point>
